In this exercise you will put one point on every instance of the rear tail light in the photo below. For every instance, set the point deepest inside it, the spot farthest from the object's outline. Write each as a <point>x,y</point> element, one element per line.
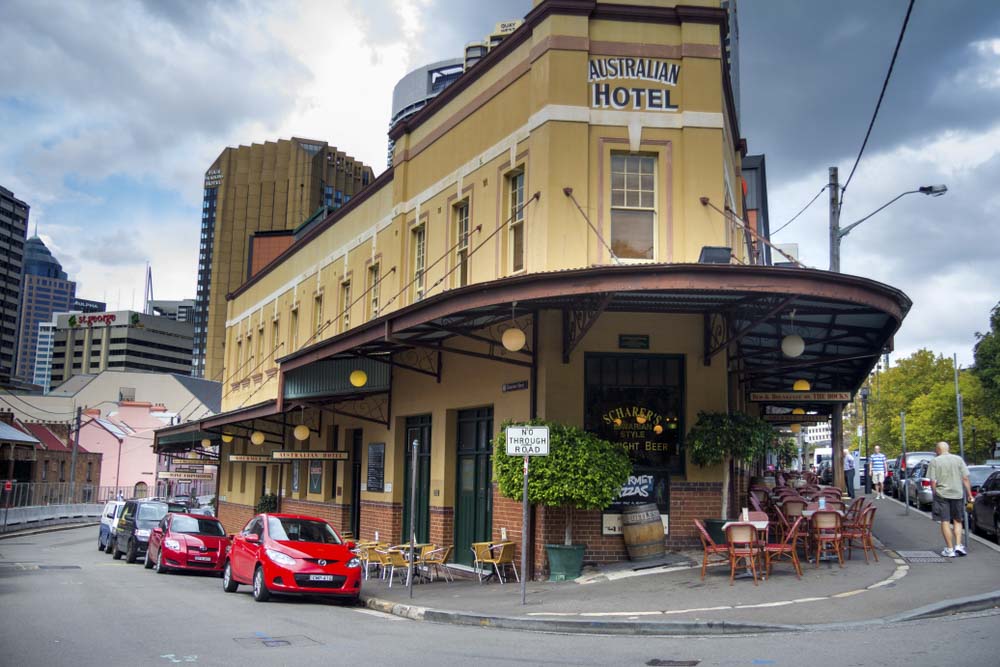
<point>925,483</point>
<point>974,493</point>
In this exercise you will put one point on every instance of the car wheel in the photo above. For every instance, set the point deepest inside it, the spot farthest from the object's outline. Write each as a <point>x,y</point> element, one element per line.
<point>996,530</point>
<point>146,562</point>
<point>260,592</point>
<point>229,584</point>
<point>109,546</point>
<point>116,553</point>
<point>159,566</point>
<point>131,554</point>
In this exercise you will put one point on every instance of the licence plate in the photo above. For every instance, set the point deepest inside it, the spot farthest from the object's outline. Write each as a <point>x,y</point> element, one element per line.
<point>320,577</point>
<point>203,558</point>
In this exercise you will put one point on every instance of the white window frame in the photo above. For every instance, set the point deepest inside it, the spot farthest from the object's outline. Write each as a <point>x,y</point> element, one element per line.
<point>516,217</point>
<point>345,297</point>
<point>654,209</point>
<point>419,261</point>
<point>374,289</point>
<point>461,217</point>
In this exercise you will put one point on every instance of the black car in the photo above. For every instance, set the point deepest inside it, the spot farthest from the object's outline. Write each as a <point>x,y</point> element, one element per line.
<point>138,518</point>
<point>891,477</point>
<point>985,515</point>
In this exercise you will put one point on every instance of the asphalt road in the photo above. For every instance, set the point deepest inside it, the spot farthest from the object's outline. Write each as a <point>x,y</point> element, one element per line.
<point>65,603</point>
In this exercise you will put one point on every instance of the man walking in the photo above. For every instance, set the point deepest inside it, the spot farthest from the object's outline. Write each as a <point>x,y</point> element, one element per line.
<point>876,470</point>
<point>849,472</point>
<point>948,474</point>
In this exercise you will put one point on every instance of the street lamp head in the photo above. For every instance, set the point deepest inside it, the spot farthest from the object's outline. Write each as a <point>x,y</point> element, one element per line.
<point>934,190</point>
<point>865,392</point>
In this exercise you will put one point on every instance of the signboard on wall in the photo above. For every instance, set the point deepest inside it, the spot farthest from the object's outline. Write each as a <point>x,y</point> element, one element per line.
<point>309,456</point>
<point>800,396</point>
<point>249,458</point>
<point>376,467</point>
<point>185,475</point>
<point>634,84</point>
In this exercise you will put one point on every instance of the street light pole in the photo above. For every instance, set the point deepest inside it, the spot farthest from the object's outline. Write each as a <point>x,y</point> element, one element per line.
<point>868,461</point>
<point>837,233</point>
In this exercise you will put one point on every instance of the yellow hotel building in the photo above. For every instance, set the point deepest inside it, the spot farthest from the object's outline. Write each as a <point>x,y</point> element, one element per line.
<point>560,237</point>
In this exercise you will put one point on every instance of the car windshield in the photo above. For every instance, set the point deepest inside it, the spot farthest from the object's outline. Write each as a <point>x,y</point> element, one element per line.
<point>192,526</point>
<point>151,512</point>
<point>301,530</point>
<point>978,475</point>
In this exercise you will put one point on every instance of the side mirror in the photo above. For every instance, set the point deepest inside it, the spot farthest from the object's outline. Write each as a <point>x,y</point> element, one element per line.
<point>252,538</point>
<point>349,545</point>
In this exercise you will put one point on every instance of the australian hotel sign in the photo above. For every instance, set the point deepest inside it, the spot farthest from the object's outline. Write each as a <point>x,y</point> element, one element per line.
<point>637,84</point>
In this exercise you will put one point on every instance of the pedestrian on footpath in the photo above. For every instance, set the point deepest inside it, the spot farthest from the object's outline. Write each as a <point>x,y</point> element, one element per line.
<point>876,470</point>
<point>948,474</point>
<point>849,472</point>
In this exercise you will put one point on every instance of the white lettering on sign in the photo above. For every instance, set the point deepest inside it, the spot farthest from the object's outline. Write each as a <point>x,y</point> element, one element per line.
<point>528,440</point>
<point>637,486</point>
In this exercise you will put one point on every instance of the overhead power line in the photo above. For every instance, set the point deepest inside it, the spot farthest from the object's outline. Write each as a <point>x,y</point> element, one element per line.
<point>885,84</point>
<point>794,217</point>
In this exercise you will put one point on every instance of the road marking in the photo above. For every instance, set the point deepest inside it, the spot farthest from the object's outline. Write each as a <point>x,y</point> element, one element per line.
<point>379,614</point>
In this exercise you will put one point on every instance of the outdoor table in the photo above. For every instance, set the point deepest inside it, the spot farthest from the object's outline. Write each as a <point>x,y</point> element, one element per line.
<point>807,515</point>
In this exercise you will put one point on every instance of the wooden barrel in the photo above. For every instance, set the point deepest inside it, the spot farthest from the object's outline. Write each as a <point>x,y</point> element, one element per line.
<point>643,532</point>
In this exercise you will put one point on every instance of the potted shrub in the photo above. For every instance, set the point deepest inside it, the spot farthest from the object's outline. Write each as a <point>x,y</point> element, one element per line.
<point>720,437</point>
<point>581,471</point>
<point>267,503</point>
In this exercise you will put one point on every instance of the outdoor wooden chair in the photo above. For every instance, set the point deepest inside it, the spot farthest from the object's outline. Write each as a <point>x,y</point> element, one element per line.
<point>835,505</point>
<point>793,508</point>
<point>827,534</point>
<point>502,558</point>
<point>756,504</point>
<point>480,552</point>
<point>853,512</point>
<point>713,553</point>
<point>786,548</point>
<point>396,560</point>
<point>861,530</point>
<point>743,549</point>
<point>435,560</point>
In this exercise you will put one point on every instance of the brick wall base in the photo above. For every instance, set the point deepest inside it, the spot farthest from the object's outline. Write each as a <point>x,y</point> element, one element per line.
<point>442,525</point>
<point>234,516</point>
<point>339,516</point>
<point>386,518</point>
<point>690,501</point>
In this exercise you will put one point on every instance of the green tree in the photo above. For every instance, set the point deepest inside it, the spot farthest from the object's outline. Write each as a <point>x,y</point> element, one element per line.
<point>987,357</point>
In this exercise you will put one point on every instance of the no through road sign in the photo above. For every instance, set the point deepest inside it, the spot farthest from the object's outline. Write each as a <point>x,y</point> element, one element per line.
<point>528,440</point>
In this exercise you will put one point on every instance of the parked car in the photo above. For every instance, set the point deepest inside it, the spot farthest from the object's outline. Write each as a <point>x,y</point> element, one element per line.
<point>288,553</point>
<point>825,471</point>
<point>891,477</point>
<point>187,542</point>
<point>978,476</point>
<point>862,473</point>
<point>203,511</point>
<point>109,520</point>
<point>918,486</point>
<point>137,521</point>
<point>912,459</point>
<point>985,515</point>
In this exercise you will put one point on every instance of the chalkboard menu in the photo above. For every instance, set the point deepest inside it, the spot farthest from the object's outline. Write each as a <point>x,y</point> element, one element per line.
<point>376,467</point>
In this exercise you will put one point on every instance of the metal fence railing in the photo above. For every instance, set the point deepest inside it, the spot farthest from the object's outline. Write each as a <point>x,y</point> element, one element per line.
<point>41,494</point>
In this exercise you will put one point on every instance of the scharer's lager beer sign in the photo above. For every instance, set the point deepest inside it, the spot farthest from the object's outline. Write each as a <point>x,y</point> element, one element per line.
<point>613,83</point>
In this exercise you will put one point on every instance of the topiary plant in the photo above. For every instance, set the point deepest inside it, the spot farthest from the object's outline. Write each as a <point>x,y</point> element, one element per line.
<point>581,471</point>
<point>267,503</point>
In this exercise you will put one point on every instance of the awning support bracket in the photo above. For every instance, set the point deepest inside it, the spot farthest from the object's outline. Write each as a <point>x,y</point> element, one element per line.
<point>577,322</point>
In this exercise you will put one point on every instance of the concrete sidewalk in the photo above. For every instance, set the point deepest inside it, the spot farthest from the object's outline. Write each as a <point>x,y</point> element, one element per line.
<point>674,600</point>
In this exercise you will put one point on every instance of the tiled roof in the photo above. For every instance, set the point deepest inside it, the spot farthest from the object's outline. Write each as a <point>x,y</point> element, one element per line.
<point>10,433</point>
<point>49,440</point>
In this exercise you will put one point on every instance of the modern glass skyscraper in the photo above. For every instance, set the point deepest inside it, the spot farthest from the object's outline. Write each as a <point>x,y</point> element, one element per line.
<point>46,289</point>
<point>13,231</point>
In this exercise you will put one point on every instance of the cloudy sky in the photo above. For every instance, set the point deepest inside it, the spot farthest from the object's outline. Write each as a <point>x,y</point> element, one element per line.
<point>111,111</point>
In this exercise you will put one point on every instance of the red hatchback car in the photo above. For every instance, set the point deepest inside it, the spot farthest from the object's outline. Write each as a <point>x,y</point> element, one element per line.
<point>288,553</point>
<point>187,542</point>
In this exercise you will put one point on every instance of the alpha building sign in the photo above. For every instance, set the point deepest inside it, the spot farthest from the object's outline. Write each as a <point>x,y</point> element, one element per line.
<point>637,84</point>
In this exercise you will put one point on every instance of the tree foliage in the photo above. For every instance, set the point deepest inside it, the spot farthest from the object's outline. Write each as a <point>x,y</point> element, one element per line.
<point>923,385</point>
<point>717,435</point>
<point>987,356</point>
<point>581,470</point>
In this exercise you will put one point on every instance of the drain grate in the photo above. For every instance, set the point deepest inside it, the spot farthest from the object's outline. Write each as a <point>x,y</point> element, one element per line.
<point>919,557</point>
<point>264,641</point>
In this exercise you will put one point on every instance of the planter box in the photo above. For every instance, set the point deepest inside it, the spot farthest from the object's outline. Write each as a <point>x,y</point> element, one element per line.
<point>565,562</point>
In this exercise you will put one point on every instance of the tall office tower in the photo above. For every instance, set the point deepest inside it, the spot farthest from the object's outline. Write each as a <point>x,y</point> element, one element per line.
<point>476,51</point>
<point>13,232</point>
<point>45,289</point>
<point>276,185</point>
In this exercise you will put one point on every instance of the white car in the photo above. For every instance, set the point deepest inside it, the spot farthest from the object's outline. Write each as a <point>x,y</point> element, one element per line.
<point>109,520</point>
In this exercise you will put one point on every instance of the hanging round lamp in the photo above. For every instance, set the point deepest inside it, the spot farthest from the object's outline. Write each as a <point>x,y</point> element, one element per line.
<point>792,345</point>
<point>257,438</point>
<point>798,411</point>
<point>801,385</point>
<point>796,428</point>
<point>301,432</point>
<point>206,443</point>
<point>513,339</point>
<point>358,378</point>
<point>227,438</point>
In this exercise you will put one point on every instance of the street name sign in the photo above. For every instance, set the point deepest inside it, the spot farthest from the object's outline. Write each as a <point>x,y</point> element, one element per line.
<point>311,456</point>
<point>185,475</point>
<point>800,396</point>
<point>528,440</point>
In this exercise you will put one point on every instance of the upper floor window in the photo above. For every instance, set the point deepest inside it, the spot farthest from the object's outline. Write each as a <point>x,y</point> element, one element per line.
<point>275,334</point>
<point>318,313</point>
<point>419,261</point>
<point>462,244</point>
<point>374,275</point>
<point>345,300</point>
<point>293,331</point>
<point>633,205</point>
<point>515,184</point>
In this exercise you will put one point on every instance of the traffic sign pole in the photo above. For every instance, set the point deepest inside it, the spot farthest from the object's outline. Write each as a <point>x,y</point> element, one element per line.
<point>525,532</point>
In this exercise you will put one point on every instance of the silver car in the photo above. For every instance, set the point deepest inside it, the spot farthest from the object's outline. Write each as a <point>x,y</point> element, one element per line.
<point>918,487</point>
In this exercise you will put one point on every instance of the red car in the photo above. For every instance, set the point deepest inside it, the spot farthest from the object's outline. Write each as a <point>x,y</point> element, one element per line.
<point>187,542</point>
<point>288,553</point>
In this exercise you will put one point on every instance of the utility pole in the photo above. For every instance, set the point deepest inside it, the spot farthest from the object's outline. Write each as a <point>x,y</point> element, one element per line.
<point>72,464</point>
<point>834,188</point>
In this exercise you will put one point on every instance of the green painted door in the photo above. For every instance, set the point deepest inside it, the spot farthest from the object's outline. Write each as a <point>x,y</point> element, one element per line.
<point>473,487</point>
<point>418,428</point>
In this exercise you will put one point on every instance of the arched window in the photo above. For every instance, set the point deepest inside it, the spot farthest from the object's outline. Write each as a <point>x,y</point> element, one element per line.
<point>141,489</point>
